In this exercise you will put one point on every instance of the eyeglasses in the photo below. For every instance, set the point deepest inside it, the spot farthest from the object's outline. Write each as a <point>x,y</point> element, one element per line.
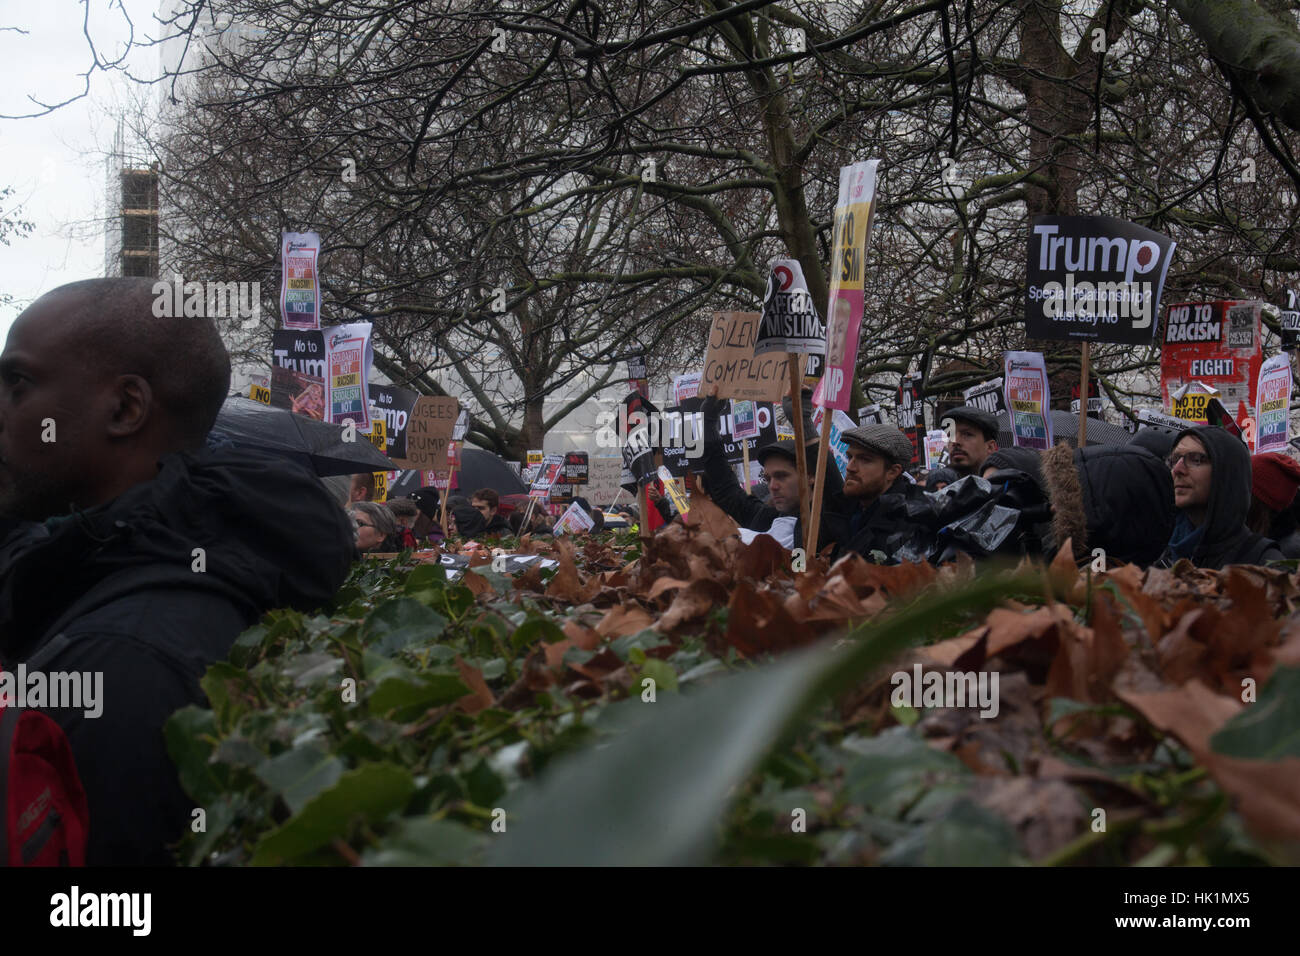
<point>1194,459</point>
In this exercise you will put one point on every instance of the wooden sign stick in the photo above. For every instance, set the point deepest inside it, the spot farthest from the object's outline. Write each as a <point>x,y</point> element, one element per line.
<point>823,446</point>
<point>801,456</point>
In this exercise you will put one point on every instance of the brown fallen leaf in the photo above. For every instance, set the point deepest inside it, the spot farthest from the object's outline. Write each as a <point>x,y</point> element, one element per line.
<point>476,583</point>
<point>624,620</point>
<point>693,602</point>
<point>705,515</point>
<point>480,695</point>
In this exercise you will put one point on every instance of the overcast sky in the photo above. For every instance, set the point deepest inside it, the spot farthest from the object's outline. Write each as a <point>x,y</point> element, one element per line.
<point>55,163</point>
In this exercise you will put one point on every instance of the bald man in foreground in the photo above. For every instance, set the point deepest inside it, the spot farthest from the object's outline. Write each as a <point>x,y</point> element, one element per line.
<point>144,553</point>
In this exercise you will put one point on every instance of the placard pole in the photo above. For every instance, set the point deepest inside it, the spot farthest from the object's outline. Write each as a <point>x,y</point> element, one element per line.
<point>801,455</point>
<point>1083,399</point>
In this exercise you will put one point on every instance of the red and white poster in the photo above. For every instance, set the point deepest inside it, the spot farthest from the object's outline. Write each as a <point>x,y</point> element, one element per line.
<point>1217,344</point>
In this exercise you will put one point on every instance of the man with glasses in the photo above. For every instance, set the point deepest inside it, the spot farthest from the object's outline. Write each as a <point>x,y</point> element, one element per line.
<point>1211,472</point>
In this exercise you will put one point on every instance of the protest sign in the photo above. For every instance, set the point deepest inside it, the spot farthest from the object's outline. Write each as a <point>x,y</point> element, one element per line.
<point>576,465</point>
<point>1094,279</point>
<point>790,322</point>
<point>1191,403</point>
<point>676,494</point>
<point>260,393</point>
<point>731,365</point>
<point>461,427</point>
<point>839,448</point>
<point>909,411</point>
<point>637,381</point>
<point>853,215</point>
<point>348,359</point>
<point>603,480</point>
<point>529,472</point>
<point>744,420</point>
<point>300,280</point>
<point>987,396</point>
<point>1028,398</point>
<point>547,476</point>
<point>394,405</point>
<point>638,451</point>
<point>378,433</point>
<point>686,386</point>
<point>1288,322</point>
<point>428,432</point>
<point>814,365</point>
<point>574,520</point>
<point>1159,419</point>
<point>871,415</point>
<point>1215,343</point>
<point>1273,404</point>
<point>682,429</point>
<point>298,372</point>
<point>936,448</point>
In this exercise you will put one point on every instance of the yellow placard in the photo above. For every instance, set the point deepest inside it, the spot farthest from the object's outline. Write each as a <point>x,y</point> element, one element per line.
<point>381,485</point>
<point>260,393</point>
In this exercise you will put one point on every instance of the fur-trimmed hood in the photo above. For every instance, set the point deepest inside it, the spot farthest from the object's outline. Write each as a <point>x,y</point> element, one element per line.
<point>1119,498</point>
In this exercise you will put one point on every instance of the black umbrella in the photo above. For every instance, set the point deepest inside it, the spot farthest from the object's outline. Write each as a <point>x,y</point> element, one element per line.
<point>1066,425</point>
<point>478,469</point>
<point>319,445</point>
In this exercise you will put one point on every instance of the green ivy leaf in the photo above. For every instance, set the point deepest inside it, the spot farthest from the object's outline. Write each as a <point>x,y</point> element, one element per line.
<point>426,842</point>
<point>1268,729</point>
<point>300,774</point>
<point>401,623</point>
<point>370,794</point>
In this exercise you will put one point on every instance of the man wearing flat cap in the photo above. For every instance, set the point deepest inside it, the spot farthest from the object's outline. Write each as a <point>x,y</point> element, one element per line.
<point>972,437</point>
<point>874,488</point>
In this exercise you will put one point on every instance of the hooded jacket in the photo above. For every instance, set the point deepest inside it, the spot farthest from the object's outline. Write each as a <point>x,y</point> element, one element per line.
<point>1119,498</point>
<point>1223,538</point>
<point>148,590</point>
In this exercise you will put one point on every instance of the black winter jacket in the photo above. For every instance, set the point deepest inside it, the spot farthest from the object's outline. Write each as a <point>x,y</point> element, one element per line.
<point>119,589</point>
<point>1226,540</point>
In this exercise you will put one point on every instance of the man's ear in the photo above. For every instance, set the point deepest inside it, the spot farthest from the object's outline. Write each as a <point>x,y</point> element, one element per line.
<point>994,443</point>
<point>894,470</point>
<point>132,406</point>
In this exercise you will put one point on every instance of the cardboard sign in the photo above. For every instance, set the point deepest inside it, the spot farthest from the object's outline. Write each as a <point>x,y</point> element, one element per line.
<point>731,364</point>
<point>1215,343</point>
<point>1094,278</point>
<point>299,280</point>
<point>790,321</point>
<point>574,520</point>
<point>1273,404</point>
<point>429,432</point>
<point>853,214</point>
<point>1029,398</point>
<point>395,406</point>
<point>603,480</point>
<point>260,393</point>
<point>987,396</point>
<point>744,420</point>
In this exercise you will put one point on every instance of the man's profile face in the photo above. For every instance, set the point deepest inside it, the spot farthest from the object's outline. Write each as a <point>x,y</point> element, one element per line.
<point>1191,481</point>
<point>868,473</point>
<point>45,391</point>
<point>782,483</point>
<point>485,509</point>
<point>968,448</point>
